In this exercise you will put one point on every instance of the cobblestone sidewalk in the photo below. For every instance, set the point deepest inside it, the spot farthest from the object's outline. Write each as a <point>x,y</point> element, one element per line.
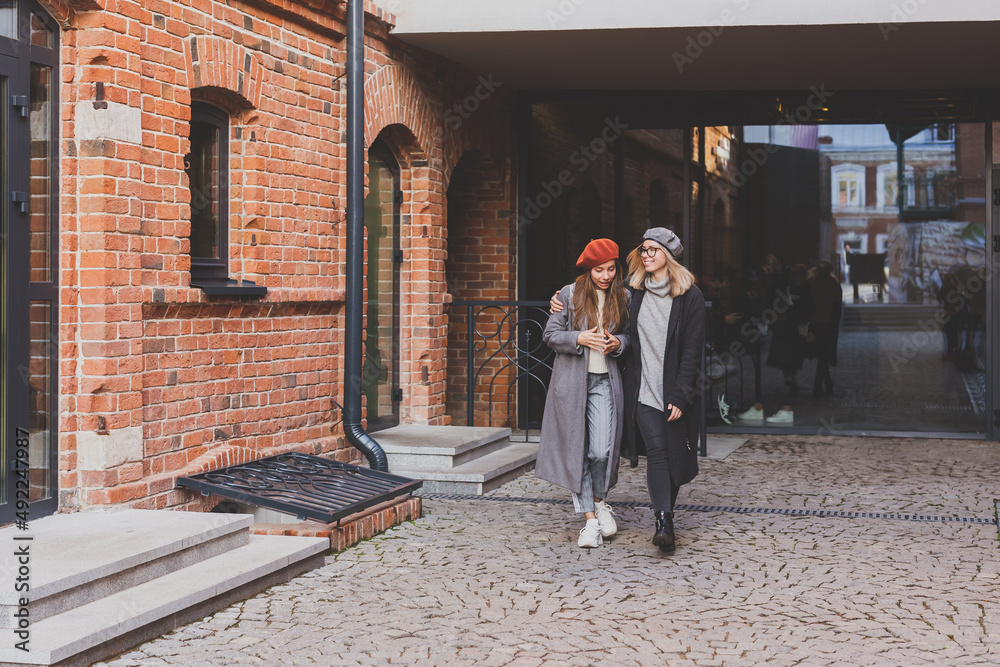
<point>498,583</point>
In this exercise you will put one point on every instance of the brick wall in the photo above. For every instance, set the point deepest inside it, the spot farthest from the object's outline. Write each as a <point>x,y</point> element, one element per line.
<point>157,379</point>
<point>480,267</point>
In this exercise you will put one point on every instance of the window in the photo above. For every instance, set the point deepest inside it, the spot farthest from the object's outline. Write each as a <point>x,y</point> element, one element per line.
<point>848,189</point>
<point>380,374</point>
<point>207,167</point>
<point>943,132</point>
<point>886,179</point>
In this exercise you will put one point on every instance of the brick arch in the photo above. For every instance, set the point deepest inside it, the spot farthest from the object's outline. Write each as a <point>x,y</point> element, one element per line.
<point>476,135</point>
<point>64,11</point>
<point>213,62</point>
<point>393,97</point>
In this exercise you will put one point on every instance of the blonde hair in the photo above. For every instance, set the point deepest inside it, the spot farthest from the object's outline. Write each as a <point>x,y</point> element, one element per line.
<point>680,279</point>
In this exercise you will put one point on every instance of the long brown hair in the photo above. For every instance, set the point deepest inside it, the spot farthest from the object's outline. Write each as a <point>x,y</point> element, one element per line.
<point>615,313</point>
<point>680,279</point>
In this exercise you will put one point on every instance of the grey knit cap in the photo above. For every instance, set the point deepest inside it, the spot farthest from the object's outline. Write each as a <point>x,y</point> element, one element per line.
<point>665,238</point>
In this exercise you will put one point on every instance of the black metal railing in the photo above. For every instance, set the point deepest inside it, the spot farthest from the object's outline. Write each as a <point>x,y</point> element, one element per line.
<point>504,348</point>
<point>504,343</point>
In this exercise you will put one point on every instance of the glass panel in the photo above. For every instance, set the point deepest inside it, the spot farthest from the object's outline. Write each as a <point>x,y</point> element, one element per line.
<point>571,197</point>
<point>8,19</point>
<point>867,295</point>
<point>205,181</point>
<point>848,259</point>
<point>40,33</point>
<point>655,199</point>
<point>40,397</point>
<point>380,339</point>
<point>40,206</point>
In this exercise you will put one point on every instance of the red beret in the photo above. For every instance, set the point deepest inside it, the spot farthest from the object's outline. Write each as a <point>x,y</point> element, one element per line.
<point>596,253</point>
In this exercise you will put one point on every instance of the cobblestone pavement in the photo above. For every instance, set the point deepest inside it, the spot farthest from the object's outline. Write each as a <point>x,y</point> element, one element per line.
<point>497,583</point>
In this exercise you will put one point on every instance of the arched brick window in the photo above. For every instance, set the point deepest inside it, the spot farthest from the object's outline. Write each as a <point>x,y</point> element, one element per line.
<point>207,167</point>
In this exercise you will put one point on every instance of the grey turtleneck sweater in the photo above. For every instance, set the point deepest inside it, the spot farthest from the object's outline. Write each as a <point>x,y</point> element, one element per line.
<point>654,318</point>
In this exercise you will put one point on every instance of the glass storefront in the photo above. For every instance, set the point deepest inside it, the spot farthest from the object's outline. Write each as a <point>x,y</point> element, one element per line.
<point>845,262</point>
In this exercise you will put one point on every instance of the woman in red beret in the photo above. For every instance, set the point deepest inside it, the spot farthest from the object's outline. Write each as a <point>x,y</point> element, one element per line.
<point>582,425</point>
<point>662,415</point>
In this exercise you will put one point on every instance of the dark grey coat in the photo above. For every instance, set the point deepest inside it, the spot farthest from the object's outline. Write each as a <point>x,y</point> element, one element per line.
<point>563,441</point>
<point>681,383</point>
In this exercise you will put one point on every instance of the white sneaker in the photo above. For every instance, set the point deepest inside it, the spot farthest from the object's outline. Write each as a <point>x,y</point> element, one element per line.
<point>752,415</point>
<point>590,536</point>
<point>724,410</point>
<point>606,519</point>
<point>782,418</point>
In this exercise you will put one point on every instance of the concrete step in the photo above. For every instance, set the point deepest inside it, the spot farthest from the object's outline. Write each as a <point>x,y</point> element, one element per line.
<point>415,446</point>
<point>78,558</point>
<point>480,475</point>
<point>115,623</point>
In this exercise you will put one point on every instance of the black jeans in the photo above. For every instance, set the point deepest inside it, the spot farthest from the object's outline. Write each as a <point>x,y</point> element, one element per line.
<point>654,428</point>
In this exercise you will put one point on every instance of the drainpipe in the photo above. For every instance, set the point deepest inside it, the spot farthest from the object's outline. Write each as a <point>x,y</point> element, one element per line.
<point>354,316</point>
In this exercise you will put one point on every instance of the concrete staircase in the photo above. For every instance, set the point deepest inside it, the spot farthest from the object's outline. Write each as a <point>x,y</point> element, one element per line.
<point>102,582</point>
<point>467,460</point>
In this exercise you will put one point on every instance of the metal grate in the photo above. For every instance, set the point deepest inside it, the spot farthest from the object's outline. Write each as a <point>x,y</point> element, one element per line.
<point>303,485</point>
<point>786,511</point>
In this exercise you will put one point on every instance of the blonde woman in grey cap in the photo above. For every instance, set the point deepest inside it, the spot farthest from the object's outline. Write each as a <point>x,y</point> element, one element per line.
<point>662,406</point>
<point>660,374</point>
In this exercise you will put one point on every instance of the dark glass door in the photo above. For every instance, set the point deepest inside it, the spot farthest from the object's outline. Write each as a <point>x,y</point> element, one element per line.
<point>380,375</point>
<point>28,267</point>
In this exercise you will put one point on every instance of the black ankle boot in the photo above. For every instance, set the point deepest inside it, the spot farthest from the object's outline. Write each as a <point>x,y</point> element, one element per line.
<point>664,535</point>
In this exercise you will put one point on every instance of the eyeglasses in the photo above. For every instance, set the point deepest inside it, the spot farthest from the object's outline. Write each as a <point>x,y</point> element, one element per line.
<point>647,251</point>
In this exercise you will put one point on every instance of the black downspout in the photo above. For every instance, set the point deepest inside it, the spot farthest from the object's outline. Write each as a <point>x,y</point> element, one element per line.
<point>354,315</point>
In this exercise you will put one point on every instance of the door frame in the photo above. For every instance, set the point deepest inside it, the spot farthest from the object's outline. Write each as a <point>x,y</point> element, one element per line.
<point>16,59</point>
<point>381,150</point>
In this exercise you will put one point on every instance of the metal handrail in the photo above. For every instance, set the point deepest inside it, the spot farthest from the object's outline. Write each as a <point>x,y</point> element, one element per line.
<point>512,334</point>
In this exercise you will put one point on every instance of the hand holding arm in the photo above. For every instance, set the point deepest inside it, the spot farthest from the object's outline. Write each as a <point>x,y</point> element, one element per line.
<point>593,339</point>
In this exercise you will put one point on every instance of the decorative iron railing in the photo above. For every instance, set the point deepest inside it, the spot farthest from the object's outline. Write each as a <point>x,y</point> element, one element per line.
<point>508,366</point>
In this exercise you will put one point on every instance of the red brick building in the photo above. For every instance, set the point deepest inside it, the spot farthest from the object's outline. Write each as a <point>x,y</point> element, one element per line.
<point>173,244</point>
<point>186,273</point>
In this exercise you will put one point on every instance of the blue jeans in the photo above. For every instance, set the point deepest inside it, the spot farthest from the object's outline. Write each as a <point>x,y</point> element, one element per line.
<point>600,432</point>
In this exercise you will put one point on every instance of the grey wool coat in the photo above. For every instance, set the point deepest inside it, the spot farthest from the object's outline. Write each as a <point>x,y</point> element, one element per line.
<point>563,442</point>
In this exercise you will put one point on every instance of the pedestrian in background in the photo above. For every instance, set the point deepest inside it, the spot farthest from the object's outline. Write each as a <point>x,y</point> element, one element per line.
<point>582,424</point>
